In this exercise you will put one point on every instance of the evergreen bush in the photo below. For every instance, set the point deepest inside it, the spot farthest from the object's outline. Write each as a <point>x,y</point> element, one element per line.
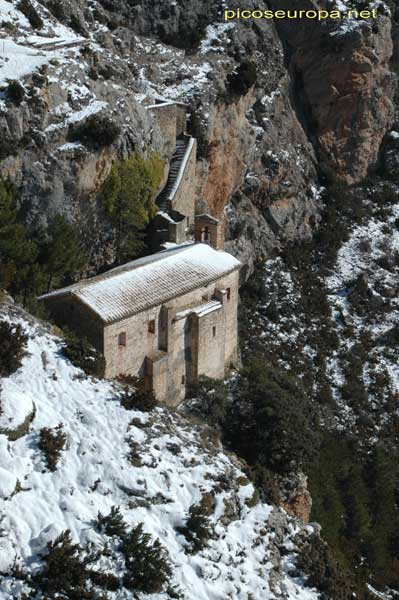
<point>83,355</point>
<point>33,260</point>
<point>13,343</point>
<point>271,420</point>
<point>65,573</point>
<point>245,76</point>
<point>31,14</point>
<point>95,132</point>
<point>323,572</point>
<point>52,442</point>
<point>197,530</point>
<point>147,562</point>
<point>211,399</point>
<point>113,523</point>
<point>138,398</point>
<point>15,91</point>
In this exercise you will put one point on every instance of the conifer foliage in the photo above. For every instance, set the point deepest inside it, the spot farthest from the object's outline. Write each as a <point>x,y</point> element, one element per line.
<point>65,572</point>
<point>113,523</point>
<point>147,562</point>
<point>12,348</point>
<point>127,199</point>
<point>52,442</point>
<point>34,260</point>
<point>83,355</point>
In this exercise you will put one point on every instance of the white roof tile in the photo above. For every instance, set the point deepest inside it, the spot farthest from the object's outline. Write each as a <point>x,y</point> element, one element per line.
<point>150,281</point>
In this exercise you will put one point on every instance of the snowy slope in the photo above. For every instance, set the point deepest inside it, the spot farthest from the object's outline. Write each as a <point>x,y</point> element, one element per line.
<point>178,465</point>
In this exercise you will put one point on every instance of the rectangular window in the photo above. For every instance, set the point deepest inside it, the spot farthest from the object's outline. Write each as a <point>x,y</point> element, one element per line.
<point>214,331</point>
<point>228,293</point>
<point>183,380</point>
<point>122,339</point>
<point>151,326</point>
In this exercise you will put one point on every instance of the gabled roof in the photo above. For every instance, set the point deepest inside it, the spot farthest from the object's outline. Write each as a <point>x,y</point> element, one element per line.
<point>150,281</point>
<point>207,218</point>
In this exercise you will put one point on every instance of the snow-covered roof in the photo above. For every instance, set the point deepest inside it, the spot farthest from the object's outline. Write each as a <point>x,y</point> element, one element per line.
<point>207,219</point>
<point>150,281</point>
<point>201,310</point>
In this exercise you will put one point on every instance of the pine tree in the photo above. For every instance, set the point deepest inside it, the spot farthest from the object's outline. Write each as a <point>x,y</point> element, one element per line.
<point>383,549</point>
<point>62,254</point>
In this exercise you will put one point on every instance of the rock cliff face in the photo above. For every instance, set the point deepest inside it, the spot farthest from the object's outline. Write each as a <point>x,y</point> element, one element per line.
<point>343,87</point>
<point>322,97</point>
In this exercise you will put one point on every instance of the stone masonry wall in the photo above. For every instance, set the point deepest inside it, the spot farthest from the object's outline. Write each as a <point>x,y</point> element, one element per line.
<point>69,312</point>
<point>165,116</point>
<point>184,199</point>
<point>210,333</point>
<point>141,343</point>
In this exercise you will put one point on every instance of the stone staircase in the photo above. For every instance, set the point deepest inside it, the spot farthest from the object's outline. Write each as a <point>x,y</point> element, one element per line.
<point>164,198</point>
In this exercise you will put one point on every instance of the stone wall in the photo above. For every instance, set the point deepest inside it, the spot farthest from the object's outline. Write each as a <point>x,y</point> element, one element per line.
<point>181,120</point>
<point>209,340</point>
<point>183,200</point>
<point>175,337</point>
<point>68,312</point>
<point>165,115</point>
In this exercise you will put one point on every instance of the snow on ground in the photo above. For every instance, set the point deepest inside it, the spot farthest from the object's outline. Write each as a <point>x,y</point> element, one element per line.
<point>95,473</point>
<point>10,14</point>
<point>93,108</point>
<point>17,61</point>
<point>216,37</point>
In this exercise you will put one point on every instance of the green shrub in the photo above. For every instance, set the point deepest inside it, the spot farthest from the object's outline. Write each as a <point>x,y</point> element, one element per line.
<point>8,146</point>
<point>197,530</point>
<point>138,398</point>
<point>12,348</point>
<point>52,442</point>
<point>83,355</point>
<point>61,252</point>
<point>189,35</point>
<point>211,399</point>
<point>106,581</point>
<point>16,92</point>
<point>323,572</point>
<point>76,24</point>
<point>271,421</point>
<point>147,562</point>
<point>95,132</point>
<point>128,201</point>
<point>65,573</point>
<point>57,9</point>
<point>31,14</point>
<point>245,76</point>
<point>113,523</point>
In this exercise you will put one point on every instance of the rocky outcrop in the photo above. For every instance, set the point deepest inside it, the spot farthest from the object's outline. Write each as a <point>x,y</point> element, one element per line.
<point>322,97</point>
<point>343,87</point>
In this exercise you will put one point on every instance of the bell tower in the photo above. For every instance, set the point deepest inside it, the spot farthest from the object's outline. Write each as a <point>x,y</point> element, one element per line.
<point>209,230</point>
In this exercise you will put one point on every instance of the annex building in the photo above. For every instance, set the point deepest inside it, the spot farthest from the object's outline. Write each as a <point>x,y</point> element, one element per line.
<point>167,318</point>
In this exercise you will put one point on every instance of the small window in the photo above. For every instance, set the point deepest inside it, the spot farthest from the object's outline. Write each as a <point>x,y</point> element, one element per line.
<point>122,339</point>
<point>228,293</point>
<point>151,326</point>
<point>214,331</point>
<point>183,380</point>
